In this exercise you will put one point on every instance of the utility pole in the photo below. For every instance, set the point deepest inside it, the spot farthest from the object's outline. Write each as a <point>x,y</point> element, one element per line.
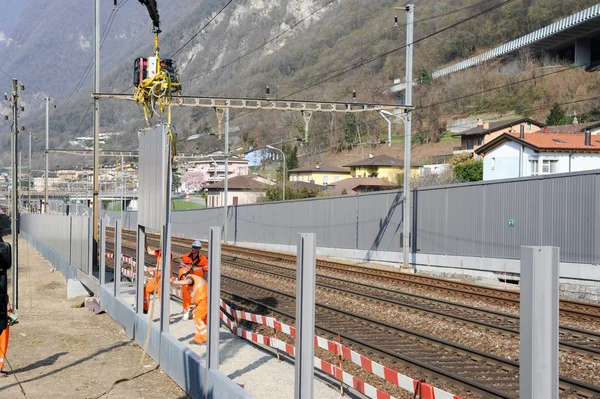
<point>410,10</point>
<point>15,196</point>
<point>225,182</point>
<point>95,207</point>
<point>19,172</point>
<point>46,158</point>
<point>29,177</point>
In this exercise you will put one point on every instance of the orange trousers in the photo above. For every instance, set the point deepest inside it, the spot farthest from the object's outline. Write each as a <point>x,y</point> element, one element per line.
<point>149,289</point>
<point>200,320</point>
<point>4,345</point>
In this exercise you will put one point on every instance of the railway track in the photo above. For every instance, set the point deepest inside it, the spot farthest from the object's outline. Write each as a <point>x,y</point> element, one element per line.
<point>488,375</point>
<point>503,383</point>
<point>568,308</point>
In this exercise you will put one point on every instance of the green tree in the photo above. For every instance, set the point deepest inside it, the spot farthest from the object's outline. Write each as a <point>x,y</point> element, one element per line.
<point>469,171</point>
<point>291,158</point>
<point>350,129</point>
<point>176,182</point>
<point>425,77</point>
<point>557,117</point>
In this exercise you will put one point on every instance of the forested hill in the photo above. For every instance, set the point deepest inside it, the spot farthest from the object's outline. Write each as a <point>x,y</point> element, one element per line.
<point>301,49</point>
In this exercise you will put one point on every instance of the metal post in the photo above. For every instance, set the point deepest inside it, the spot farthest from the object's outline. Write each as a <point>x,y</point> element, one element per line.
<point>283,180</point>
<point>19,173</point>
<point>95,205</point>
<point>117,272</point>
<point>165,310</point>
<point>102,271</point>
<point>305,315</point>
<point>139,269</point>
<point>539,322</point>
<point>29,178</point>
<point>225,183</point>
<point>122,192</point>
<point>90,262</point>
<point>389,123</point>
<point>15,197</point>
<point>410,9</point>
<point>214,297</point>
<point>45,208</point>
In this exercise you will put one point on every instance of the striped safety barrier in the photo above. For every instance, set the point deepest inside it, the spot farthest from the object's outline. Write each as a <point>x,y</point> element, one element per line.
<point>409,384</point>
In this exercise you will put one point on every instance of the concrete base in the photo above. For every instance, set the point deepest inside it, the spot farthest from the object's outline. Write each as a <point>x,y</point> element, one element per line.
<point>75,289</point>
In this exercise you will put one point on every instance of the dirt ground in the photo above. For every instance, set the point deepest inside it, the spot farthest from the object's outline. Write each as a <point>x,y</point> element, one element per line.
<point>59,349</point>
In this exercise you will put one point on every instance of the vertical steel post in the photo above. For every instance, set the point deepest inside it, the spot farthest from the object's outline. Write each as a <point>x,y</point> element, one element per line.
<point>165,302</point>
<point>305,315</point>
<point>122,188</point>
<point>214,297</point>
<point>90,261</point>
<point>539,322</point>
<point>95,203</point>
<point>410,9</point>
<point>225,183</point>
<point>139,269</point>
<point>117,273</point>
<point>29,178</point>
<point>15,196</point>
<point>165,311</point>
<point>102,271</point>
<point>45,207</point>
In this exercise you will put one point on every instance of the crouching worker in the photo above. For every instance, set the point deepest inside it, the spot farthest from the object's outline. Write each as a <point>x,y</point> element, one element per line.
<point>197,264</point>
<point>198,289</point>
<point>154,283</point>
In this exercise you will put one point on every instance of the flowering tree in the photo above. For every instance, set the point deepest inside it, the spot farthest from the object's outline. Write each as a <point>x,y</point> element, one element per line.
<point>194,179</point>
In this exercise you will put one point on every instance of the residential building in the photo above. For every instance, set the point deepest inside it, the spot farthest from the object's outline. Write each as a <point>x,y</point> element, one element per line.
<point>361,185</point>
<point>319,174</point>
<point>240,190</point>
<point>484,132</point>
<point>299,185</point>
<point>381,166</point>
<point>593,127</point>
<point>514,155</point>
<point>214,167</point>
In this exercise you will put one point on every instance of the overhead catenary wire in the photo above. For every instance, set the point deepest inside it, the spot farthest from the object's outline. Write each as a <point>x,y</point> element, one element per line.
<point>385,54</point>
<point>262,45</point>
<point>200,31</point>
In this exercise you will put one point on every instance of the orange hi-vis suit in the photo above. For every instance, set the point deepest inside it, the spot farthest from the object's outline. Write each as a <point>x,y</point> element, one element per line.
<point>4,345</point>
<point>154,282</point>
<point>199,294</point>
<point>197,266</point>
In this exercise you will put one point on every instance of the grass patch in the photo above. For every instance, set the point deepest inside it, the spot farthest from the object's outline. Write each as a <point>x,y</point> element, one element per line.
<point>182,205</point>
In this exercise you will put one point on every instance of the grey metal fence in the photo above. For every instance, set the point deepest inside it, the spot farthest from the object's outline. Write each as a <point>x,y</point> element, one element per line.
<point>67,235</point>
<point>489,219</point>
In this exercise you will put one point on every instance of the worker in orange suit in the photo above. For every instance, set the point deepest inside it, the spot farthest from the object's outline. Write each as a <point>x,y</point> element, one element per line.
<point>4,342</point>
<point>197,264</point>
<point>155,281</point>
<point>198,289</point>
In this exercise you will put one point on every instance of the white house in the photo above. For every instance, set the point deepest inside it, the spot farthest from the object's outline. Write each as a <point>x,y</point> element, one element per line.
<point>240,190</point>
<point>528,154</point>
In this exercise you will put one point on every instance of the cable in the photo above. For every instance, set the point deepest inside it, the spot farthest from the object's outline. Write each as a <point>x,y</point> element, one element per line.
<point>80,124</point>
<point>204,27</point>
<point>4,72</point>
<point>264,44</point>
<point>570,68</point>
<point>381,37</point>
<point>402,47</point>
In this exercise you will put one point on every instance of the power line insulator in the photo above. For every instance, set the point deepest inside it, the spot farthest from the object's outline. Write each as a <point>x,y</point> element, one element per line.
<point>268,91</point>
<point>353,95</point>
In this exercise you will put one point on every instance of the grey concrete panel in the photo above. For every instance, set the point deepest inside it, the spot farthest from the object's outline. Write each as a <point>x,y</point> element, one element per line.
<point>151,177</point>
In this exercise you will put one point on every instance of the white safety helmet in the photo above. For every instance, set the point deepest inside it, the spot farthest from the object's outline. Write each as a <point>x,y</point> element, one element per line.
<point>197,244</point>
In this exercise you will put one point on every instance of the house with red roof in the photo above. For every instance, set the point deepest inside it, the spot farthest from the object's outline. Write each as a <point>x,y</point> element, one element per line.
<point>530,154</point>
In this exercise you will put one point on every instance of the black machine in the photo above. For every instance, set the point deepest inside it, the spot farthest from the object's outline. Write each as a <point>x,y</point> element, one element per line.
<point>146,67</point>
<point>5,264</point>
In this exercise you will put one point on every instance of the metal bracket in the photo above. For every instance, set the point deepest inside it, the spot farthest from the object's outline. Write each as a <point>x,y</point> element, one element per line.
<point>306,115</point>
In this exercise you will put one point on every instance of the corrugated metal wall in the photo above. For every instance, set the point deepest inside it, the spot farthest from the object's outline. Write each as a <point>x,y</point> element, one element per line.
<point>151,176</point>
<point>464,220</point>
<point>67,235</point>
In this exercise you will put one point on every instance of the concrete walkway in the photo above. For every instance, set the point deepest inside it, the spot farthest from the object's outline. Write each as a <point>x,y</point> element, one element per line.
<point>59,349</point>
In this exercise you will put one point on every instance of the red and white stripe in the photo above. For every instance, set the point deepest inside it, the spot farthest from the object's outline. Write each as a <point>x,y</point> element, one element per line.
<point>407,383</point>
<point>348,379</point>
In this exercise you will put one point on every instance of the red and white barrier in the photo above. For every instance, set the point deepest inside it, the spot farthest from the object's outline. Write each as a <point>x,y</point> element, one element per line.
<point>407,383</point>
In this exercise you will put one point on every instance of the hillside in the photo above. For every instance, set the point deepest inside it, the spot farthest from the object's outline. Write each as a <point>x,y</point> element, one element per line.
<point>235,56</point>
